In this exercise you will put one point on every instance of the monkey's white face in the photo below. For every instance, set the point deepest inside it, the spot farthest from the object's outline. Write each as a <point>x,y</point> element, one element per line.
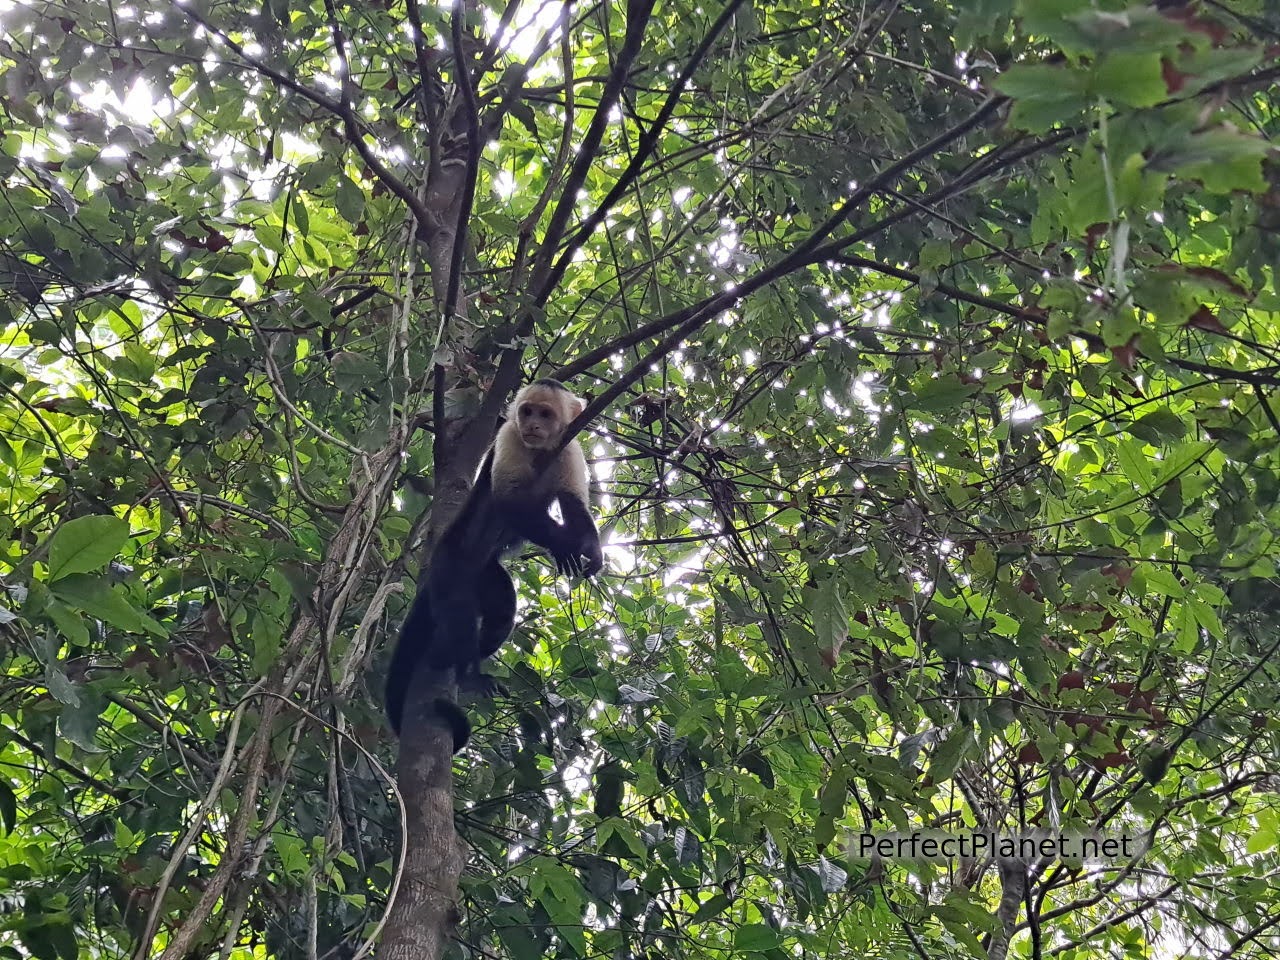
<point>540,422</point>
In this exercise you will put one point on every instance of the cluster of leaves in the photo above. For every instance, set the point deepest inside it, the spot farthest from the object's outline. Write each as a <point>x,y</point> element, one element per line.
<point>958,510</point>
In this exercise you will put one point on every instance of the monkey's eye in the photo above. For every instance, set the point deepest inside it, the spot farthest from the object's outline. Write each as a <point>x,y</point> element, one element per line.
<point>526,411</point>
<point>545,414</point>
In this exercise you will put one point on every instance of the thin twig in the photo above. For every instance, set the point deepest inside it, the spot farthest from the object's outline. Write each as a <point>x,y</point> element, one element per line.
<point>197,826</point>
<point>351,124</point>
<point>638,14</point>
<point>277,383</point>
<point>649,140</point>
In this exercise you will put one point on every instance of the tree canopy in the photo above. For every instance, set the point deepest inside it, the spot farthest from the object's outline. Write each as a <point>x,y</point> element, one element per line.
<point>932,353</point>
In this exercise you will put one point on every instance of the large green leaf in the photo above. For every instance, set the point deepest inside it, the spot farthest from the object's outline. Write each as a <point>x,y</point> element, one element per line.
<point>85,544</point>
<point>98,597</point>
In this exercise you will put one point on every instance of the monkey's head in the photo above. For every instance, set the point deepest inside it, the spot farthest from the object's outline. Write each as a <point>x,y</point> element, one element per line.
<point>541,411</point>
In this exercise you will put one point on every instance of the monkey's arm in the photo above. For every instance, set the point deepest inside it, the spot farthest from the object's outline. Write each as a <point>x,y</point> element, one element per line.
<point>581,529</point>
<point>567,542</point>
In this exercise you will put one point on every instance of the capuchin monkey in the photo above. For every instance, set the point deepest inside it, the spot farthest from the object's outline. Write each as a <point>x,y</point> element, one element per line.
<point>465,608</point>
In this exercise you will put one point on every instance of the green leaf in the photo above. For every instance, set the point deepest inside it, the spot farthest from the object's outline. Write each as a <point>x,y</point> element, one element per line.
<point>520,942</point>
<point>1135,464</point>
<point>1044,94</point>
<point>84,544</point>
<point>52,941</point>
<point>60,686</point>
<point>1155,765</point>
<point>942,393</point>
<point>301,218</point>
<point>1131,79</point>
<point>1223,158</point>
<point>349,200</point>
<point>1158,427</point>
<point>949,754</point>
<point>69,623</point>
<point>610,781</point>
<point>78,722</point>
<point>712,907</point>
<point>830,622</point>
<point>831,804</point>
<point>755,938</point>
<point>97,597</point>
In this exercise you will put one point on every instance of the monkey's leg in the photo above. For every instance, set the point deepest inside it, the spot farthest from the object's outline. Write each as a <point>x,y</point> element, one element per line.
<point>497,601</point>
<point>416,639</point>
<point>497,595</point>
<point>456,617</point>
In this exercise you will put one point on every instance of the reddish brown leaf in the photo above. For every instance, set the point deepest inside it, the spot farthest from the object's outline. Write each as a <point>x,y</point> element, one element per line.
<point>1174,79</point>
<point>1092,722</point>
<point>1205,319</point>
<point>1141,701</point>
<point>1126,355</point>
<point>1219,279</point>
<point>1028,753</point>
<point>1116,758</point>
<point>1071,680</point>
<point>1121,573</point>
<point>1093,234</point>
<point>1189,18</point>
<point>1051,644</point>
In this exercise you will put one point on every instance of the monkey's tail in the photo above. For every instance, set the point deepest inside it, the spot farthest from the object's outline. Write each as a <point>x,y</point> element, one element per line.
<point>452,714</point>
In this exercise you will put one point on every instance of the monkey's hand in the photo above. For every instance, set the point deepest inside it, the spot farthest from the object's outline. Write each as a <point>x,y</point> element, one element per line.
<point>585,560</point>
<point>567,564</point>
<point>476,683</point>
<point>594,559</point>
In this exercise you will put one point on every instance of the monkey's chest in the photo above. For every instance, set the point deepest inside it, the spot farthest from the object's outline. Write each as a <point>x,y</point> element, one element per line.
<point>525,485</point>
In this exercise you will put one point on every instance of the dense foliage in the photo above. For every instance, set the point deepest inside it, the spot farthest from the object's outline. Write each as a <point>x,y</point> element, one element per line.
<point>936,348</point>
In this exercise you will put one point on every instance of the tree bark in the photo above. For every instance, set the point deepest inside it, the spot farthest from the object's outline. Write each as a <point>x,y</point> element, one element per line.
<point>425,910</point>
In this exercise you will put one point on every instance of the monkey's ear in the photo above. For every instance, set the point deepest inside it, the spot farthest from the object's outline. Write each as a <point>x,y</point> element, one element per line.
<point>578,405</point>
